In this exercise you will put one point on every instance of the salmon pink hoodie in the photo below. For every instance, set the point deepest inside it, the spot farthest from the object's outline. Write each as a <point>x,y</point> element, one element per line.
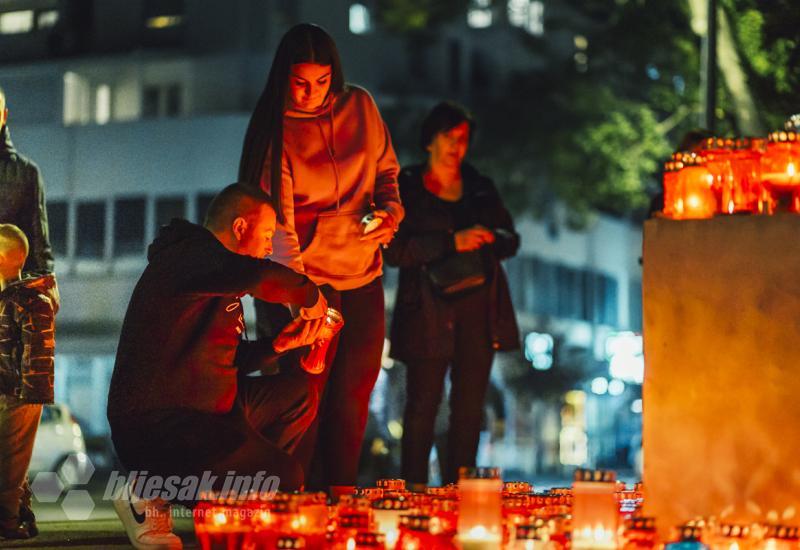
<point>338,164</point>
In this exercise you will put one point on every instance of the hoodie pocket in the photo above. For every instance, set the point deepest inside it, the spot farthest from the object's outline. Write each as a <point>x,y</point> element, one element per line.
<point>336,249</point>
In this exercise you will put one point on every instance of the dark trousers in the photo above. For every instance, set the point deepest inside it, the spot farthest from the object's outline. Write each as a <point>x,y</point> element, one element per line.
<point>260,433</point>
<point>331,448</point>
<point>469,379</point>
<point>18,425</point>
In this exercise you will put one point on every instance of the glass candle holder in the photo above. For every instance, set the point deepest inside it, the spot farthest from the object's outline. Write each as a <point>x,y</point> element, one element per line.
<point>417,533</point>
<point>718,153</point>
<point>697,198</point>
<point>780,168</point>
<point>517,488</point>
<point>534,536</point>
<point>391,485</point>
<point>779,537</point>
<point>728,536</point>
<point>689,538</point>
<point>313,361</point>
<point>640,534</point>
<point>480,525</point>
<point>220,526</point>
<point>387,512</point>
<point>595,514</point>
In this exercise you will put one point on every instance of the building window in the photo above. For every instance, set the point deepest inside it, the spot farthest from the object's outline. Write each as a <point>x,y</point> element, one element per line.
<point>159,101</point>
<point>360,22</point>
<point>91,224</point>
<point>528,15</point>
<point>168,208</point>
<point>202,204</point>
<point>57,224</point>
<point>46,19</point>
<point>102,104</point>
<point>16,22</point>
<point>479,15</point>
<point>129,214</point>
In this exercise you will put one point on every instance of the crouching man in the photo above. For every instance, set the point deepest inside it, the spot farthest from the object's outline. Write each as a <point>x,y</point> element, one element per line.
<point>178,404</point>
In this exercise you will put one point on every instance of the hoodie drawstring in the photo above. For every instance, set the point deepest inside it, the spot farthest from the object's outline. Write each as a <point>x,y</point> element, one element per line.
<point>331,147</point>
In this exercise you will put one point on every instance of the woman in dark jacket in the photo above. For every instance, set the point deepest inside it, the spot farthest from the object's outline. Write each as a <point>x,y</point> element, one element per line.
<point>454,218</point>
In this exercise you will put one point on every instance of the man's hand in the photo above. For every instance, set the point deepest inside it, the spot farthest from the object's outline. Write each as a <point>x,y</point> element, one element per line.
<point>314,312</point>
<point>473,238</point>
<point>298,333</point>
<point>385,231</point>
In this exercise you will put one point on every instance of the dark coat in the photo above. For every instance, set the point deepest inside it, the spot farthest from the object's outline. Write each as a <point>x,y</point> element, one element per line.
<point>181,343</point>
<point>22,203</point>
<point>422,325</point>
<point>27,340</point>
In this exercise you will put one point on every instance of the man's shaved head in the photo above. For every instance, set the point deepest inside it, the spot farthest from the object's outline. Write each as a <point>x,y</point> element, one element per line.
<point>235,201</point>
<point>13,246</point>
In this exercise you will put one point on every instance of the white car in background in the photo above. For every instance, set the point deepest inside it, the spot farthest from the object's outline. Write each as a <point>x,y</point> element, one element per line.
<point>59,446</point>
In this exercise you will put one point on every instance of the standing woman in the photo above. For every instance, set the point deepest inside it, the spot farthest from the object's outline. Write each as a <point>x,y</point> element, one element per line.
<point>453,307</point>
<point>320,148</point>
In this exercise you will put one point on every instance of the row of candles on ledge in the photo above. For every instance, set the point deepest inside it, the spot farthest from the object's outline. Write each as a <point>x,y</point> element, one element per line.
<point>734,176</point>
<point>481,512</point>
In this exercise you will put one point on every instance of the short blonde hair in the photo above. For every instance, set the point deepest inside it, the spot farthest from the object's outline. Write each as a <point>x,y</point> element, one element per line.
<point>13,243</point>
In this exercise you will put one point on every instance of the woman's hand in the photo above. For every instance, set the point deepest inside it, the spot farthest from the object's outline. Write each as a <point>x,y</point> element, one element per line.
<point>473,238</point>
<point>384,233</point>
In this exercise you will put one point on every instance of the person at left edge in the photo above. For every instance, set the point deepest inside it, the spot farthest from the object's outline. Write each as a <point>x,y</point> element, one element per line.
<point>177,405</point>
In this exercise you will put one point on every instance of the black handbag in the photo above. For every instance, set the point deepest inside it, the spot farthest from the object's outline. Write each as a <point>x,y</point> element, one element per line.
<point>457,273</point>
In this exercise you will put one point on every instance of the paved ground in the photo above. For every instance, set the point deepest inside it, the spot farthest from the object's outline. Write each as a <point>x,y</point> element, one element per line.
<point>93,533</point>
<point>104,530</point>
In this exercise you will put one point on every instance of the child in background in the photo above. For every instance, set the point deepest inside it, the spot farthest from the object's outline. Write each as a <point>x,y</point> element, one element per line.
<point>27,347</point>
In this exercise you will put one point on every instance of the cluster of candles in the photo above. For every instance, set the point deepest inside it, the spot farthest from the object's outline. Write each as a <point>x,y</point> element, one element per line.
<point>481,512</point>
<point>734,176</point>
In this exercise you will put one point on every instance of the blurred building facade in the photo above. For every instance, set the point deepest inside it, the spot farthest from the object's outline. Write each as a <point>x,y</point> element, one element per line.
<point>135,111</point>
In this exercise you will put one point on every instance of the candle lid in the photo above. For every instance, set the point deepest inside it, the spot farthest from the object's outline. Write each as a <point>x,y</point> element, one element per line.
<point>354,521</point>
<point>690,533</point>
<point>717,144</point>
<point>595,476</point>
<point>734,531</point>
<point>415,522</point>
<point>640,523</point>
<point>783,136</point>
<point>291,543</point>
<point>515,487</point>
<point>391,503</point>
<point>391,484</point>
<point>370,539</point>
<point>371,493</point>
<point>782,532</point>
<point>688,158</point>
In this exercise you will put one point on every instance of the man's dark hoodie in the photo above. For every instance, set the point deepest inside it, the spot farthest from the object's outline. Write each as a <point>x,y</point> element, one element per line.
<point>22,203</point>
<point>180,341</point>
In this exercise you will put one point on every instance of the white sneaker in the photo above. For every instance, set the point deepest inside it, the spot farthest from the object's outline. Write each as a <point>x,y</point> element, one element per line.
<point>148,523</point>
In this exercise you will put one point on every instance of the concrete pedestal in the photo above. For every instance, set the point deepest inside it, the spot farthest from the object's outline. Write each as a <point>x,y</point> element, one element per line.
<point>722,378</point>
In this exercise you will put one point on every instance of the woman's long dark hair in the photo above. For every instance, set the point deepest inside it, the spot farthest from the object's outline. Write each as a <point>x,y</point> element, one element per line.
<point>303,43</point>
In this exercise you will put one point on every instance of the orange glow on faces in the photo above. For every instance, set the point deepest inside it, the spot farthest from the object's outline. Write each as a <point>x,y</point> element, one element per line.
<point>309,84</point>
<point>449,148</point>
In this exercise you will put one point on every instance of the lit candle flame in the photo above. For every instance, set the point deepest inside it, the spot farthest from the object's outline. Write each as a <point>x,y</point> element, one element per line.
<point>791,171</point>
<point>220,518</point>
<point>351,544</point>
